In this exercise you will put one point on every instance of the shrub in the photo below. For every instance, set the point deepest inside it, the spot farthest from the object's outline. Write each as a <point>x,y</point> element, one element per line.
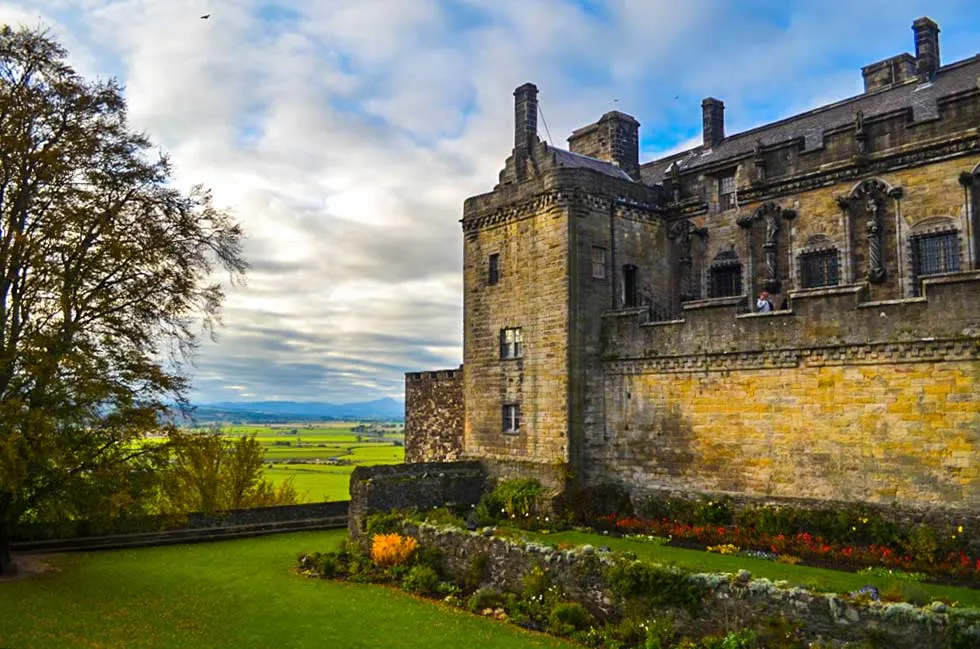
<point>443,516</point>
<point>421,580</point>
<point>384,523</point>
<point>654,584</point>
<point>392,549</point>
<point>568,617</point>
<point>485,598</point>
<point>516,500</point>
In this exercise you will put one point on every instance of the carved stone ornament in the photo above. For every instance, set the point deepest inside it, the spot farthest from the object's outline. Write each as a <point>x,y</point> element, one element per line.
<point>860,135</point>
<point>873,193</point>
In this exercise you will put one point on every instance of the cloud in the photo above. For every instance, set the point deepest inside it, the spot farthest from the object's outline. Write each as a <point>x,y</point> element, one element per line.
<point>345,136</point>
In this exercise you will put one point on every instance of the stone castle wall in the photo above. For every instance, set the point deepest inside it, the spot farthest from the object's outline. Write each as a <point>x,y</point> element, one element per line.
<point>434,415</point>
<point>837,399</point>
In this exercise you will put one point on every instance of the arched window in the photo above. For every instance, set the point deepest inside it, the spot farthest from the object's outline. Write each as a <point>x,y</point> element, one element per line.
<point>725,275</point>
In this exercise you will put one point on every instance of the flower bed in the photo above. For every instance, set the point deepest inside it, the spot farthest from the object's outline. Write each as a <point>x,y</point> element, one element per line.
<point>949,566</point>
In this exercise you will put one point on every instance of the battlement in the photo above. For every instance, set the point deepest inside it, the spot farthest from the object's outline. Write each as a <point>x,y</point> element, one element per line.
<point>431,376</point>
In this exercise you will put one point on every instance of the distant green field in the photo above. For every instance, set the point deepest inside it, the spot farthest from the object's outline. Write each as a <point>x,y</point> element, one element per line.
<point>339,446</point>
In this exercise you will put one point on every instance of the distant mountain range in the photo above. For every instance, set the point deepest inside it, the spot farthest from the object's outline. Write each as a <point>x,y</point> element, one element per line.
<point>386,409</point>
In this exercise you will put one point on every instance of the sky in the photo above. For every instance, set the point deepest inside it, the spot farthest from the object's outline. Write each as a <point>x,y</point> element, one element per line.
<point>345,135</point>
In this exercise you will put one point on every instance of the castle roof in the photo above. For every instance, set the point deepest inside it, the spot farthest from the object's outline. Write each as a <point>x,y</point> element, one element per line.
<point>564,158</point>
<point>921,99</point>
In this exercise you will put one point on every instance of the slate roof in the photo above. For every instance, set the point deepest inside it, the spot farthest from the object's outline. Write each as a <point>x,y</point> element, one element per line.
<point>565,158</point>
<point>922,99</point>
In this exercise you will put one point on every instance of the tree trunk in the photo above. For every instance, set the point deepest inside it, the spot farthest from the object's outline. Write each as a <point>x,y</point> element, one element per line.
<point>6,561</point>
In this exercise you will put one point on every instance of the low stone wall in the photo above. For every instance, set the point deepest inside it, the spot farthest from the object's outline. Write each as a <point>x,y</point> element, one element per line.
<point>419,486</point>
<point>193,521</point>
<point>733,601</point>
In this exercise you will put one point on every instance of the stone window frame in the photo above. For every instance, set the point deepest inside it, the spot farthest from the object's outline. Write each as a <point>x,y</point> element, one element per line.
<point>825,250</point>
<point>513,348</point>
<point>929,228</point>
<point>726,261</point>
<point>493,269</point>
<point>511,417</point>
<point>727,200</point>
<point>598,262</point>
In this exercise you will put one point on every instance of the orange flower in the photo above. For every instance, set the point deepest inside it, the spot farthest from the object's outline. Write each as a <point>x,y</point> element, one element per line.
<point>392,549</point>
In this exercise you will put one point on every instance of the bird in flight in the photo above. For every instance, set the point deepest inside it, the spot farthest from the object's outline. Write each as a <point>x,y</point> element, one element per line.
<point>205,16</point>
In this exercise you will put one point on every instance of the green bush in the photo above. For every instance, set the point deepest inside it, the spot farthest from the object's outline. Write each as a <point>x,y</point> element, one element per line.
<point>431,556</point>
<point>443,516</point>
<point>485,598</point>
<point>421,580</point>
<point>654,585</point>
<point>515,500</point>
<point>568,617</point>
<point>385,523</point>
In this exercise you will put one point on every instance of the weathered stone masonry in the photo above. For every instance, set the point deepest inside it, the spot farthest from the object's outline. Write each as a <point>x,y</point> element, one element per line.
<point>433,415</point>
<point>632,289</point>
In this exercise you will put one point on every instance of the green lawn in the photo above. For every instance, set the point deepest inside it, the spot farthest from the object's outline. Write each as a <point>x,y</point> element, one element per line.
<point>815,578</point>
<point>234,594</point>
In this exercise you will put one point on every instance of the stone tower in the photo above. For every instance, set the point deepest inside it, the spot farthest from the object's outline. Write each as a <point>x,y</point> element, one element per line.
<point>553,246</point>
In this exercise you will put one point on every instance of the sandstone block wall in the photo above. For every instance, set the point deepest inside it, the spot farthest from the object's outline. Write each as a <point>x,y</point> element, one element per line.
<point>434,415</point>
<point>840,399</point>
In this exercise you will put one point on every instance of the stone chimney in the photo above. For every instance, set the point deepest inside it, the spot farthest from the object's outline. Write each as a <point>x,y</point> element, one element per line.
<point>926,48</point>
<point>713,117</point>
<point>614,138</point>
<point>525,117</point>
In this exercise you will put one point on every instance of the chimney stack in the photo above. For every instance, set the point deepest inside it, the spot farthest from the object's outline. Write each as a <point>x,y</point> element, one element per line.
<point>525,117</point>
<point>713,116</point>
<point>926,48</point>
<point>614,138</point>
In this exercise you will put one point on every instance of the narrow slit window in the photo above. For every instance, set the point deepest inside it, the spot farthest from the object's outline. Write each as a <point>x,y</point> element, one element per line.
<point>493,269</point>
<point>598,262</point>
<point>512,418</point>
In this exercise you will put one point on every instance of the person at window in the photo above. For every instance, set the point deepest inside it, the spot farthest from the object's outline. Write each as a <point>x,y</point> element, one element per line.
<point>763,304</point>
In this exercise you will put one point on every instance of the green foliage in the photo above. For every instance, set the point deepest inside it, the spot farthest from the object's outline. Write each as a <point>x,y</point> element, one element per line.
<point>421,580</point>
<point>745,639</point>
<point>209,473</point>
<point>443,516</point>
<point>485,598</point>
<point>384,523</point>
<point>897,575</point>
<point>476,571</point>
<point>515,500</point>
<point>653,584</point>
<point>429,556</point>
<point>568,617</point>
<point>105,266</point>
<point>923,543</point>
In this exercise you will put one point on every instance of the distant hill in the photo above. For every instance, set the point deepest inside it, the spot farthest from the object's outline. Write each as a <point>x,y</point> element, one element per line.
<point>386,409</point>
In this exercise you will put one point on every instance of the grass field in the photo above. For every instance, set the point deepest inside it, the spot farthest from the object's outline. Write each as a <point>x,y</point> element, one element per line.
<point>232,594</point>
<point>337,445</point>
<point>815,578</point>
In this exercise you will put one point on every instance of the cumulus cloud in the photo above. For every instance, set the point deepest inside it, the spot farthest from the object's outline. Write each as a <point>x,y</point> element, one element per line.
<point>345,135</point>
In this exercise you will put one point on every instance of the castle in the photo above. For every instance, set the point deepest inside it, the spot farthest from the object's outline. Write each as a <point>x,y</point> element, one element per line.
<point>610,325</point>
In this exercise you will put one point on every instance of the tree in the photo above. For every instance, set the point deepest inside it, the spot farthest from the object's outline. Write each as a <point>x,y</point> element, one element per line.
<point>209,473</point>
<point>105,271</point>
